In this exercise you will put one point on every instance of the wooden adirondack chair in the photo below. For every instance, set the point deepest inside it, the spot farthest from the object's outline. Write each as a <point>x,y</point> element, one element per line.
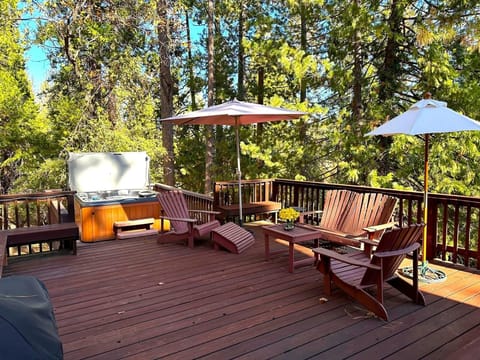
<point>356,272</point>
<point>348,216</point>
<point>182,225</point>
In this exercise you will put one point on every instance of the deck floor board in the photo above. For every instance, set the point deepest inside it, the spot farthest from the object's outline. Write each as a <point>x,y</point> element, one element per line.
<point>136,299</point>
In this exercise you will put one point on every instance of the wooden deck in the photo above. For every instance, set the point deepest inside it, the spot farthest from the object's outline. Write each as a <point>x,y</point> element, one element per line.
<point>139,300</point>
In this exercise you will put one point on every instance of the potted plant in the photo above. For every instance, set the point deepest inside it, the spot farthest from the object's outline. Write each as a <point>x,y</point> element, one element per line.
<point>289,215</point>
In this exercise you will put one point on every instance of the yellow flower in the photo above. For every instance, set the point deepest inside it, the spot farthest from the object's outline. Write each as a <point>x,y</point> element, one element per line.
<point>288,214</point>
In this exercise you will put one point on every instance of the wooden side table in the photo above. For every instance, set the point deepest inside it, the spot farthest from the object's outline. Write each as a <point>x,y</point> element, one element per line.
<point>300,233</point>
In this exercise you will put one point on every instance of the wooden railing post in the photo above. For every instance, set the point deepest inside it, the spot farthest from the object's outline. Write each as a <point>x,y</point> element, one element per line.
<point>274,195</point>
<point>70,217</point>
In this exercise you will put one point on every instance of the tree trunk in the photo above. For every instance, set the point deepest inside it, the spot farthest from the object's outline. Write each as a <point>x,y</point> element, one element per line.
<point>261,92</point>
<point>389,73</point>
<point>357,77</point>
<point>303,84</point>
<point>191,74</point>
<point>241,56</point>
<point>303,44</point>
<point>166,91</point>
<point>209,130</point>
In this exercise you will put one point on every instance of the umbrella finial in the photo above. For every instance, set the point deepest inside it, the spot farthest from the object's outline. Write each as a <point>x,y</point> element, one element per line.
<point>427,95</point>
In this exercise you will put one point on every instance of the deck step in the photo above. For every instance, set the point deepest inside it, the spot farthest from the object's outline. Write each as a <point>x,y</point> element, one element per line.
<point>132,223</point>
<point>136,233</point>
<point>133,228</point>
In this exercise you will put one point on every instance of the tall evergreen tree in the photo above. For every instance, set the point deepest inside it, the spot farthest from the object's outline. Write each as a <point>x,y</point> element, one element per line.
<point>166,89</point>
<point>18,113</point>
<point>351,64</point>
<point>104,57</point>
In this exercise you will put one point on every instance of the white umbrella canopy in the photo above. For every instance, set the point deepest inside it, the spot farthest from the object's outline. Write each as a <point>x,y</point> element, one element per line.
<point>426,117</point>
<point>235,113</point>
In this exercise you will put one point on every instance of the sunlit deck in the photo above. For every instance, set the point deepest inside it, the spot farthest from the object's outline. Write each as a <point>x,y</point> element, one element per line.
<point>140,300</point>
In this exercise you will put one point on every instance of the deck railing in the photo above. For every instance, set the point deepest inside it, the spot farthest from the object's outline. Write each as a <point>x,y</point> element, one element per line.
<point>453,221</point>
<point>226,192</point>
<point>35,209</point>
<point>310,197</point>
<point>195,201</point>
<point>452,226</point>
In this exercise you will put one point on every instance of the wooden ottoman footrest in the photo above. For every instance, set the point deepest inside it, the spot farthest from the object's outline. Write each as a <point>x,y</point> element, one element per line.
<point>232,237</point>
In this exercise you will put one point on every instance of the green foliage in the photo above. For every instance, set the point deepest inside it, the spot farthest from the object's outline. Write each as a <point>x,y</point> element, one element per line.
<point>405,51</point>
<point>350,65</point>
<point>102,99</point>
<point>18,112</point>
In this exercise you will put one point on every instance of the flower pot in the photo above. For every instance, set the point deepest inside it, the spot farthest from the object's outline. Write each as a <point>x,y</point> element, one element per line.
<point>289,225</point>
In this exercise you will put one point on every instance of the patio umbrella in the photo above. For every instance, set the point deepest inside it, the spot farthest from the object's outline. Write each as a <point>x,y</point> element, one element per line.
<point>235,113</point>
<point>426,117</point>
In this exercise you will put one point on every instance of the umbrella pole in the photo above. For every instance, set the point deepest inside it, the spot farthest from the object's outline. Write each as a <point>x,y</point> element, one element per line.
<point>425,274</point>
<point>425,203</point>
<point>239,173</point>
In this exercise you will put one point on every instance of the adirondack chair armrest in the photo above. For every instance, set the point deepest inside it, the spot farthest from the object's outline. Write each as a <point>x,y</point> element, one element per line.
<point>179,219</point>
<point>375,228</point>
<point>344,258</point>
<point>311,212</point>
<point>205,212</point>
<point>368,244</point>
<point>210,214</point>
<point>368,241</point>
<point>404,251</point>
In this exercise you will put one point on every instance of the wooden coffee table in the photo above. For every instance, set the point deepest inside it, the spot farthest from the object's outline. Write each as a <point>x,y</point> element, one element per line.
<point>300,233</point>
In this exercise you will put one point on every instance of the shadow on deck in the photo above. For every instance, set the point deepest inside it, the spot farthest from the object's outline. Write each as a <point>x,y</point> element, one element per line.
<point>140,300</point>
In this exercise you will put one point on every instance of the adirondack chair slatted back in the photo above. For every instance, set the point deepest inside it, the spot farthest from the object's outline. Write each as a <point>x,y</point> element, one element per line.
<point>336,204</point>
<point>367,210</point>
<point>392,240</point>
<point>174,205</point>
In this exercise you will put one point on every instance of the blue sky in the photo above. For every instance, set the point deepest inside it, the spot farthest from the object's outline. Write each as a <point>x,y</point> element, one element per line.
<point>37,64</point>
<point>37,67</point>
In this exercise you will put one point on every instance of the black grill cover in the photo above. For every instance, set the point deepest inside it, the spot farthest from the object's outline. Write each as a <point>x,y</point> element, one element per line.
<point>27,324</point>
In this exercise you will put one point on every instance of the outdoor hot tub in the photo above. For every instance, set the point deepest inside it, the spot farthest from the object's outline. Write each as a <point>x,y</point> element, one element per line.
<point>110,187</point>
<point>107,197</point>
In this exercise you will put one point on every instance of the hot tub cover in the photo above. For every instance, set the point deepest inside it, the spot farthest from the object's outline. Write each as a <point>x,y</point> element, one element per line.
<point>27,323</point>
<point>103,171</point>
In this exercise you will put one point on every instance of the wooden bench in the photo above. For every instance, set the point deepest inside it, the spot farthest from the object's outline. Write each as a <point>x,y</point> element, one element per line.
<point>230,212</point>
<point>134,228</point>
<point>348,216</point>
<point>258,199</point>
<point>232,237</point>
<point>66,233</point>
